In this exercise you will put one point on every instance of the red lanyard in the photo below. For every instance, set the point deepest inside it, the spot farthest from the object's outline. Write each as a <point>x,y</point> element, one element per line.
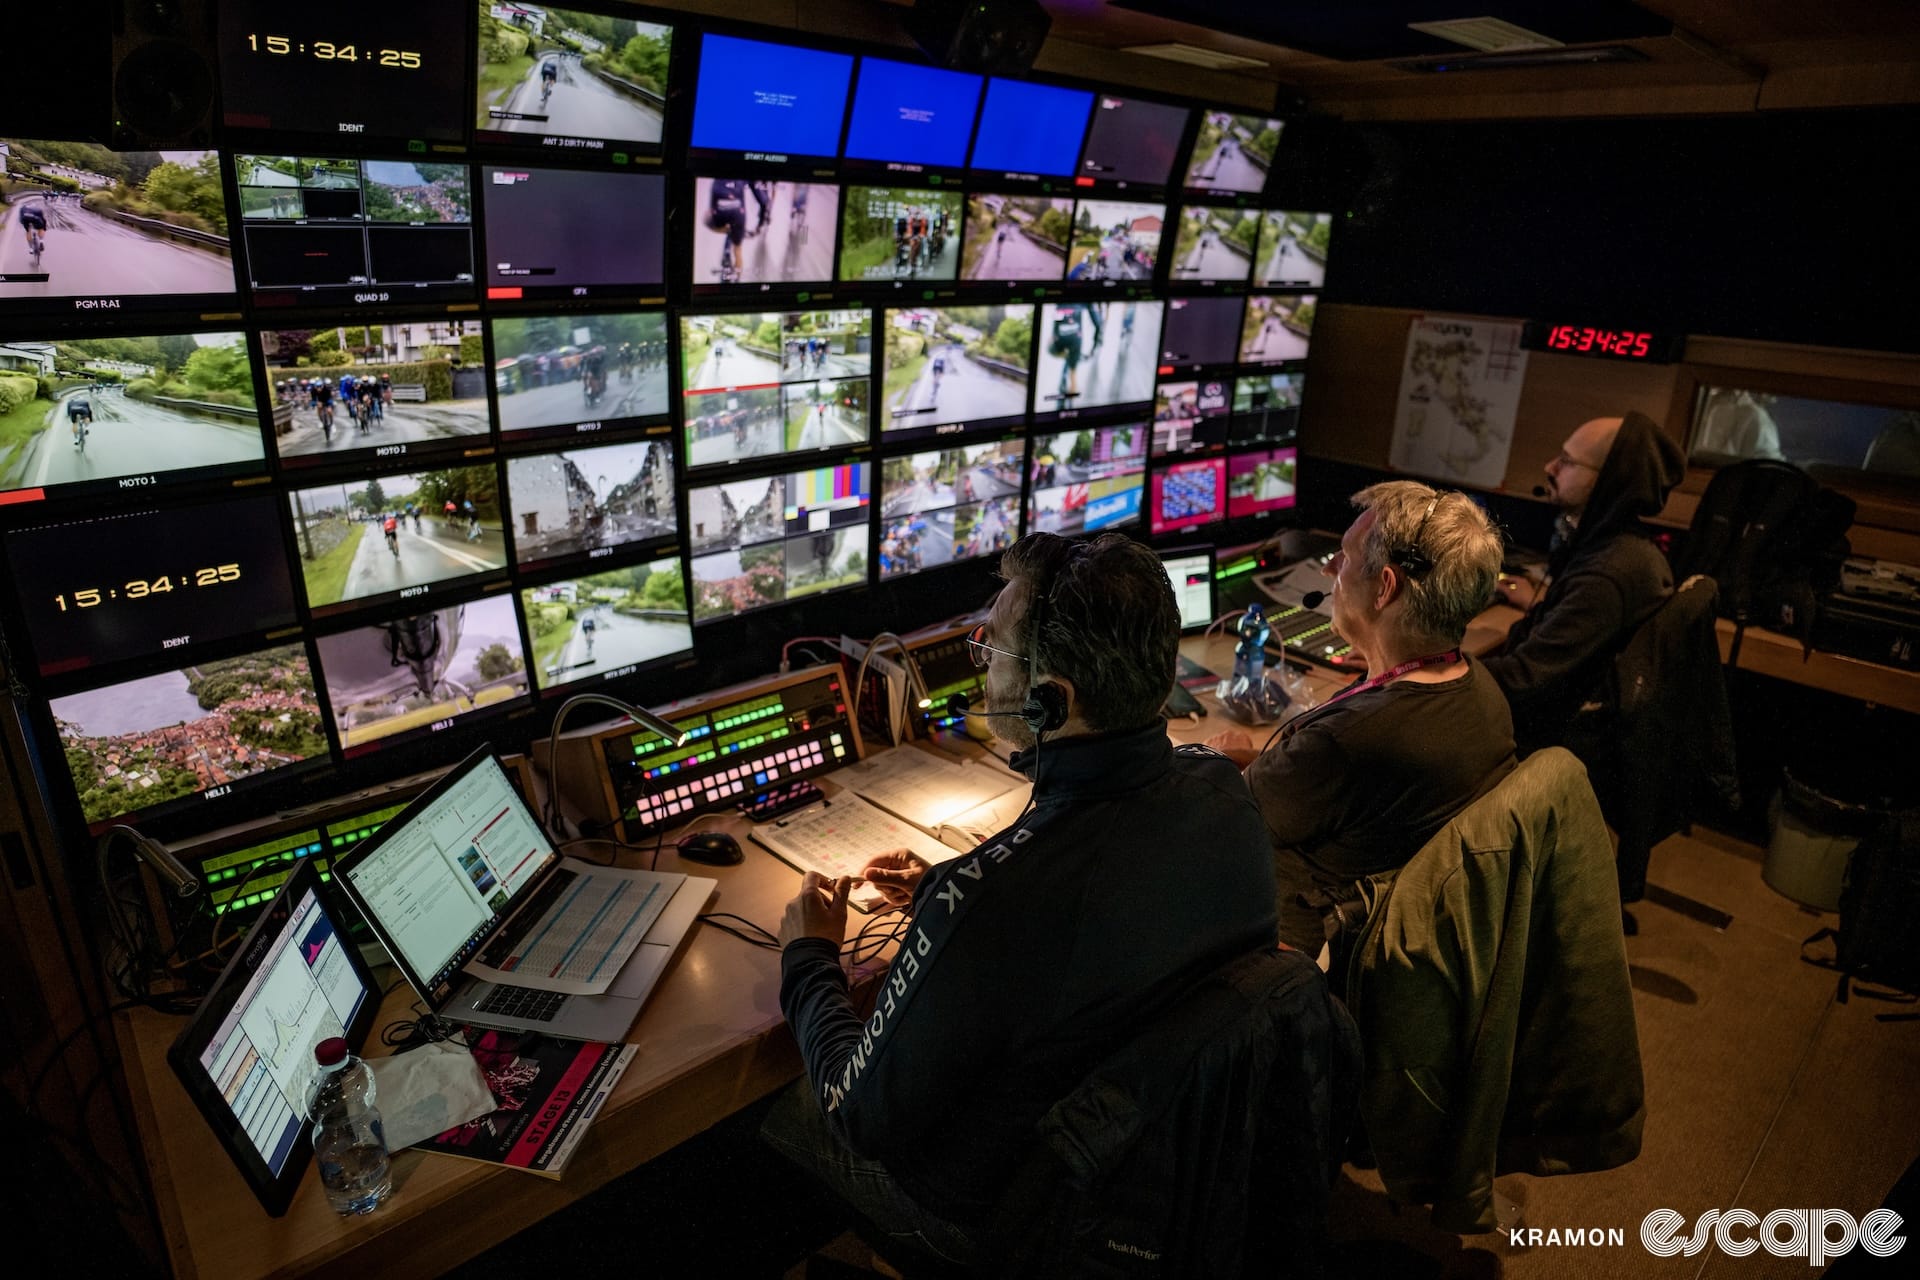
<point>1446,659</point>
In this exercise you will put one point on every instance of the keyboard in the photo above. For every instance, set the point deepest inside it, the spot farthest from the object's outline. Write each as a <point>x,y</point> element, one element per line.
<point>522,1002</point>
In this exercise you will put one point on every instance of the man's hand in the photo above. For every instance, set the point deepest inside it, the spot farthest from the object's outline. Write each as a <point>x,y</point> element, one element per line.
<point>818,911</point>
<point>1515,590</point>
<point>1235,746</point>
<point>895,874</point>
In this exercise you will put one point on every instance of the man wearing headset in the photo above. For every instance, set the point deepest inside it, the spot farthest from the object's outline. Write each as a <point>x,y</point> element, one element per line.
<point>1357,784</point>
<point>1138,870</point>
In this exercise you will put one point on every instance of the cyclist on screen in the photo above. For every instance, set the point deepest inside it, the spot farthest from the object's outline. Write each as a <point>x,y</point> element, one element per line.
<point>549,76</point>
<point>391,527</point>
<point>33,219</point>
<point>587,628</point>
<point>727,212</point>
<point>939,369</point>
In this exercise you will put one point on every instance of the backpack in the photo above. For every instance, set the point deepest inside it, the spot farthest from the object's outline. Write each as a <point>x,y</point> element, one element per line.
<point>1878,904</point>
<point>1774,539</point>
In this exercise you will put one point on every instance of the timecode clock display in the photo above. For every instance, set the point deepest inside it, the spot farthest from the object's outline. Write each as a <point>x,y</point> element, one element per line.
<point>121,587</point>
<point>328,51</point>
<point>1640,345</point>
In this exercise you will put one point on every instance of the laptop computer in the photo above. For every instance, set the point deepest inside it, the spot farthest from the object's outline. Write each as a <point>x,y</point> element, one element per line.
<point>464,879</point>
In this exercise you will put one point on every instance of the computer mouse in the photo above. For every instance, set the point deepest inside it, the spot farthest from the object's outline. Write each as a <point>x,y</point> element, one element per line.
<point>715,848</point>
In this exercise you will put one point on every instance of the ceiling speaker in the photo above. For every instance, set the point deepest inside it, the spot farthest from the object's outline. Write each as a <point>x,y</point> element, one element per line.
<point>163,77</point>
<point>996,37</point>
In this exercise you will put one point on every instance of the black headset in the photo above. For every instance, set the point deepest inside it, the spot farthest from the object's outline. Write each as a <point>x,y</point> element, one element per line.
<point>1412,559</point>
<point>1046,706</point>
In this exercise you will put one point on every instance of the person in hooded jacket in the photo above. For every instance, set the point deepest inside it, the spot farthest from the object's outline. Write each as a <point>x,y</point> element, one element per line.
<point>1604,574</point>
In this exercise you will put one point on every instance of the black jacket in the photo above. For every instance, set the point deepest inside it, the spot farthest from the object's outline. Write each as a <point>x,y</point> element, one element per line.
<point>1139,870</point>
<point>1606,577</point>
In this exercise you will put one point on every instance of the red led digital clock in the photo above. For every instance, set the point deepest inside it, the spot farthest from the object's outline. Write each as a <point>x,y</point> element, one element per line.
<point>1638,345</point>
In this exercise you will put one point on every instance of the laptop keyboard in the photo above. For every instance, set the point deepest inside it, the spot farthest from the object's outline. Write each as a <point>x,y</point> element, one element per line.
<point>522,1002</point>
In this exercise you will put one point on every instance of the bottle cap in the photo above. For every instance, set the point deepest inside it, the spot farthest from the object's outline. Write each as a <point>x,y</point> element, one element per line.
<point>330,1052</point>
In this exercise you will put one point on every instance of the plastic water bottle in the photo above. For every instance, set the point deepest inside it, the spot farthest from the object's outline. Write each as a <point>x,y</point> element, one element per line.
<point>348,1143</point>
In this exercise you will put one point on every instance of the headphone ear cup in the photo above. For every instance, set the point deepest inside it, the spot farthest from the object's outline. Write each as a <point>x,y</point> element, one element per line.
<point>1045,708</point>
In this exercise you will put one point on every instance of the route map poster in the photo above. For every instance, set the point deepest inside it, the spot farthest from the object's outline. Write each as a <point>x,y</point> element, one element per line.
<point>1459,395</point>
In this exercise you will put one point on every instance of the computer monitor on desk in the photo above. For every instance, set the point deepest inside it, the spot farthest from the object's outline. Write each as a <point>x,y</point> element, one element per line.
<point>1190,572</point>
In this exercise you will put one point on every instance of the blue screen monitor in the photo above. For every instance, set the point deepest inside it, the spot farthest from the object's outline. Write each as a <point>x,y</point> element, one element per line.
<point>1030,128</point>
<point>769,99</point>
<point>921,115</point>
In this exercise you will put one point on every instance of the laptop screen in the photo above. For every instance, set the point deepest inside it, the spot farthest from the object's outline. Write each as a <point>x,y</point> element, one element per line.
<point>1190,570</point>
<point>437,881</point>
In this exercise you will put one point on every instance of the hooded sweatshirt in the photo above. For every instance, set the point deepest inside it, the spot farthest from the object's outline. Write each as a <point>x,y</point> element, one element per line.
<point>1604,577</point>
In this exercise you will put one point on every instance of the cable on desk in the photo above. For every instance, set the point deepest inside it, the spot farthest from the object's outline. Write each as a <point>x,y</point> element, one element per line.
<point>422,1029</point>
<point>749,932</point>
<point>867,944</point>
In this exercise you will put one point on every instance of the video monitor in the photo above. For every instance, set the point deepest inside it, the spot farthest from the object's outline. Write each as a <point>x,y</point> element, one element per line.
<point>89,230</point>
<point>1011,237</point>
<point>570,374</point>
<point>584,504</point>
<point>1277,328</point>
<point>574,79</point>
<point>897,234</point>
<point>332,230</point>
<point>573,233</point>
<point>1096,355</point>
<point>918,116</point>
<point>1030,130</point>
<point>763,383</point>
<point>1114,240</point>
<point>755,543</point>
<point>774,102</point>
<point>1191,417</point>
<point>205,730</point>
<point>405,388</point>
<point>949,505</point>
<point>1214,245</point>
<point>960,368</point>
<point>1133,142</point>
<point>748,233</point>
<point>395,537</point>
<point>1187,494</point>
<point>369,69</point>
<point>1266,408</point>
<point>105,588</point>
<point>1087,480</point>
<point>1233,152</point>
<point>1293,250</point>
<point>1200,332</point>
<point>416,676</point>
<point>607,625</point>
<point>87,415</point>
<point>1261,482</point>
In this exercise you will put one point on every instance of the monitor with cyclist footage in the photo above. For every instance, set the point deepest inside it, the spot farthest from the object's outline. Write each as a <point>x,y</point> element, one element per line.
<point>1191,416</point>
<point>964,368</point>
<point>86,231</point>
<point>597,627</point>
<point>328,230</point>
<point>371,69</point>
<point>98,588</point>
<point>204,731</point>
<point>750,233</point>
<point>897,235</point>
<point>1261,482</point>
<point>104,415</point>
<point>397,536</point>
<point>1016,237</point>
<point>573,233</point>
<point>911,114</point>
<point>1087,480</point>
<point>1293,250</point>
<point>1201,332</point>
<point>1278,328</point>
<point>573,374</point>
<point>1114,240</point>
<point>415,676</point>
<point>1187,494</point>
<point>1133,142</point>
<point>756,543</point>
<point>1266,408</point>
<point>1096,355</point>
<point>585,81</point>
<point>1030,130</point>
<point>246,1054</point>
<point>1214,245</point>
<point>948,505</point>
<point>764,383</point>
<point>774,102</point>
<point>1232,152</point>
<point>583,504</point>
<point>352,392</point>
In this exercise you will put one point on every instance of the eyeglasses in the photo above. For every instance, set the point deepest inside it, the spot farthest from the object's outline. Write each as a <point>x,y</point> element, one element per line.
<point>1568,460</point>
<point>981,652</point>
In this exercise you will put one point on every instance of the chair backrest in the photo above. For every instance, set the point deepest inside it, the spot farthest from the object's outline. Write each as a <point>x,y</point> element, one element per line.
<point>1201,1146</point>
